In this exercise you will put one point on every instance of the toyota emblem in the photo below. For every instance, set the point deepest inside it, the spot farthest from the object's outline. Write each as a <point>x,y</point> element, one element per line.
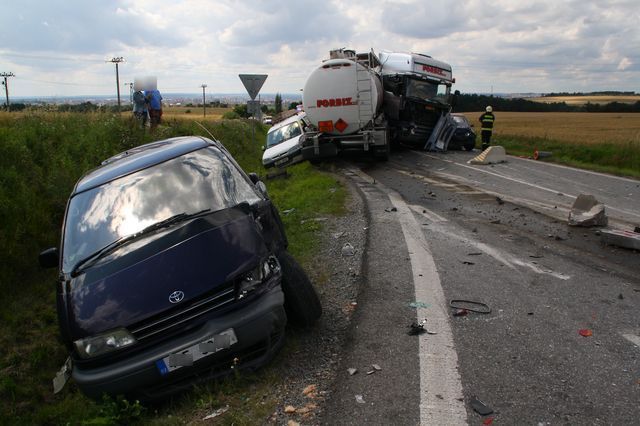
<point>176,296</point>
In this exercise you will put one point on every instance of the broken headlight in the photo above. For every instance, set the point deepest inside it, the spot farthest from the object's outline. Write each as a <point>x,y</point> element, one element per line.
<point>101,344</point>
<point>254,278</point>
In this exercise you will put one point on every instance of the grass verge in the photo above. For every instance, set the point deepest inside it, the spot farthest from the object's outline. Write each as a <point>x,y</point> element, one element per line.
<point>621,159</point>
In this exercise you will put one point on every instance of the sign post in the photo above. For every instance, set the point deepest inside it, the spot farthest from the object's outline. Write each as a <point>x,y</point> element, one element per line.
<point>253,83</point>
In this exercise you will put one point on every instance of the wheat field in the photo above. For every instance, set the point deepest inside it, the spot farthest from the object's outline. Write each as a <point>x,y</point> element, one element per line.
<point>574,127</point>
<point>581,100</point>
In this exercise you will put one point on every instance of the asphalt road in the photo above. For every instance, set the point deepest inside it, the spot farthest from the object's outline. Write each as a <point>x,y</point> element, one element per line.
<point>438,232</point>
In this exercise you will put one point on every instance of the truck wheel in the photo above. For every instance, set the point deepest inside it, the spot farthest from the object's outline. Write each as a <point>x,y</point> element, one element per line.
<point>301,301</point>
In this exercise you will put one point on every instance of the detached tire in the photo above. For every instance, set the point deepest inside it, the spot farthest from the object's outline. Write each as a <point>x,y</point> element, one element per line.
<point>301,301</point>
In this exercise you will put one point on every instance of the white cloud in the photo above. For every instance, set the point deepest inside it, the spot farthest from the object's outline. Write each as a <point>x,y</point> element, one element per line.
<point>58,47</point>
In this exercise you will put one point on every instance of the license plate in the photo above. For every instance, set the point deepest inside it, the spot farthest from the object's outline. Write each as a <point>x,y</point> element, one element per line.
<point>282,161</point>
<point>188,356</point>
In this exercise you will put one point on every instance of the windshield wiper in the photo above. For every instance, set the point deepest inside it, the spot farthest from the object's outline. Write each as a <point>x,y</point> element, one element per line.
<point>111,247</point>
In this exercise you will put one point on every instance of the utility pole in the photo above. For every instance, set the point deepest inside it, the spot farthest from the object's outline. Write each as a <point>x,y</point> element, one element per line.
<point>117,61</point>
<point>204,101</point>
<point>6,86</point>
<point>130,90</point>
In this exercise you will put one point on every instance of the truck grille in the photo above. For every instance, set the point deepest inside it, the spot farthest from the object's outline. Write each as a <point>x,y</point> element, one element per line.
<point>185,313</point>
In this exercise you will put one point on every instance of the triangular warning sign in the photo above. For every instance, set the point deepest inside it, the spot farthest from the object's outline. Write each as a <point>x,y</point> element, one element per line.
<point>253,83</point>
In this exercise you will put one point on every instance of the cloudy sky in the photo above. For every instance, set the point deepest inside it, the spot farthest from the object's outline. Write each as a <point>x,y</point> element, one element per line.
<point>57,47</point>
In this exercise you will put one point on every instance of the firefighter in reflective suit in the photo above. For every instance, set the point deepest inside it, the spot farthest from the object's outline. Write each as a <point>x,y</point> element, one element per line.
<point>487,120</point>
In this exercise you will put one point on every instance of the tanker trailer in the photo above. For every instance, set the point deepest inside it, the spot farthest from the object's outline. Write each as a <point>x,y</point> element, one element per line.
<point>343,101</point>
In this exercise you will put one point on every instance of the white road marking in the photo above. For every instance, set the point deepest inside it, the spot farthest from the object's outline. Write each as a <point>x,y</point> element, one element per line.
<point>441,397</point>
<point>635,339</point>
<point>438,357</point>
<point>540,187</point>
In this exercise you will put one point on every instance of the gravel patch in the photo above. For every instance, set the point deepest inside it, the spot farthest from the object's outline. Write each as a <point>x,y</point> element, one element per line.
<point>308,363</point>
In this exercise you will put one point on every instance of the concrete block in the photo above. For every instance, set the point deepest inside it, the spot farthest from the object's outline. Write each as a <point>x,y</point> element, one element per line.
<point>587,211</point>
<point>491,155</point>
<point>620,238</point>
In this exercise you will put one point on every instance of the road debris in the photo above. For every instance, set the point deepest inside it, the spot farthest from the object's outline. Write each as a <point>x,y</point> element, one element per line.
<point>338,234</point>
<point>417,328</point>
<point>288,211</point>
<point>352,371</point>
<point>587,211</point>
<point>348,250</point>
<point>376,367</point>
<point>391,209</point>
<point>475,253</point>
<point>62,376</point>
<point>216,413</point>
<point>488,421</point>
<point>470,305</point>
<point>495,221</point>
<point>460,313</point>
<point>480,407</point>
<point>585,332</point>
<point>360,399</point>
<point>309,391</point>
<point>466,262</point>
<point>499,200</point>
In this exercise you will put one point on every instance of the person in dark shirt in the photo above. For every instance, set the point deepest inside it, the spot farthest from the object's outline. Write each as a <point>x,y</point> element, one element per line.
<point>487,119</point>
<point>155,107</point>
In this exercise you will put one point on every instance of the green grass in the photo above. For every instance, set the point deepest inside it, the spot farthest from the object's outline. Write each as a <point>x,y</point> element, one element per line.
<point>42,156</point>
<point>621,159</point>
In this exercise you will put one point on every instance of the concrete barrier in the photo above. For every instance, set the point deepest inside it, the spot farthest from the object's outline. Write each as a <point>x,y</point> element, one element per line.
<point>620,238</point>
<point>491,155</point>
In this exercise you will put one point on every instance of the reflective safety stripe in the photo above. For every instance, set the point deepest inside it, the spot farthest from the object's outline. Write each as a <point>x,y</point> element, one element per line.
<point>489,129</point>
<point>488,120</point>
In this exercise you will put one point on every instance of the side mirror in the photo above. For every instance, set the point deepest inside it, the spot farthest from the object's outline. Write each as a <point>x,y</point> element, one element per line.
<point>264,147</point>
<point>254,178</point>
<point>262,188</point>
<point>49,258</point>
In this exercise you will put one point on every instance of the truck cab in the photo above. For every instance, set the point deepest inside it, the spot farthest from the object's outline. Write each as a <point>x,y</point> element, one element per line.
<point>417,94</point>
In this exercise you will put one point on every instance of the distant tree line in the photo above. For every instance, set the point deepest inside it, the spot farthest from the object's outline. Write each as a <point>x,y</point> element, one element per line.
<point>603,93</point>
<point>468,103</point>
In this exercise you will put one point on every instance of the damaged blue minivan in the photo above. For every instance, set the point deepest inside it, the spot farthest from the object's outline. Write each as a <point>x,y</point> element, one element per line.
<point>173,269</point>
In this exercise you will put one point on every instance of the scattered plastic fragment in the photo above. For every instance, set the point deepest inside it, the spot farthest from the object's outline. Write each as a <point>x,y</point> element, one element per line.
<point>466,262</point>
<point>360,399</point>
<point>620,296</point>
<point>338,234</point>
<point>460,313</point>
<point>352,371</point>
<point>417,328</point>
<point>536,256</point>
<point>376,367</point>
<point>480,407</point>
<point>217,413</point>
<point>348,250</point>
<point>287,211</point>
<point>475,253</point>
<point>470,305</point>
<point>370,372</point>
<point>585,332</point>
<point>391,209</point>
<point>418,304</point>
<point>488,421</point>
<point>500,200</point>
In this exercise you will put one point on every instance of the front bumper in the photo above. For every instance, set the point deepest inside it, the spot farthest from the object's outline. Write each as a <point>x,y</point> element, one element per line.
<point>259,328</point>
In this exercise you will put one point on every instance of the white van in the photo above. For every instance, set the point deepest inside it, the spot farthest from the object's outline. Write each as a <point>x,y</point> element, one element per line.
<point>283,148</point>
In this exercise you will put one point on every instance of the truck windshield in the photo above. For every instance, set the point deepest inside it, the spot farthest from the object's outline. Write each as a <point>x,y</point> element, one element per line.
<point>201,180</point>
<point>284,133</point>
<point>427,90</point>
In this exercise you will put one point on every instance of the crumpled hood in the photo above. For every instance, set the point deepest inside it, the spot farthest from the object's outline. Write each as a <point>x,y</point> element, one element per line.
<point>195,258</point>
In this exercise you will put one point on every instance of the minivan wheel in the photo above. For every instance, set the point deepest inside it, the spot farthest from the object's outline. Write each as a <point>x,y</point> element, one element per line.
<point>301,301</point>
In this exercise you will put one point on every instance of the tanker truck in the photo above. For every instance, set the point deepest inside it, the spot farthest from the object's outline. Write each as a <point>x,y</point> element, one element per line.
<point>343,101</point>
<point>364,102</point>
